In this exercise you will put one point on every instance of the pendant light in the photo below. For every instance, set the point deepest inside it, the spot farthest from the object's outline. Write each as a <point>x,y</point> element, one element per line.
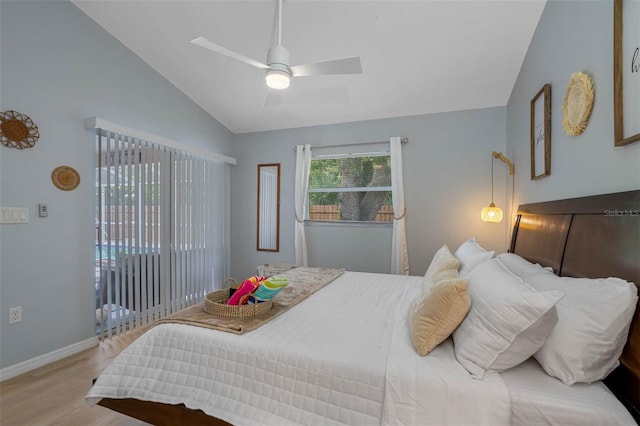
<point>492,213</point>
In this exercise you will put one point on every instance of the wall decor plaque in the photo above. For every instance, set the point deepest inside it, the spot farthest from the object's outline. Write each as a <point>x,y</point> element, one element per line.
<point>65,178</point>
<point>540,133</point>
<point>626,71</point>
<point>578,103</point>
<point>17,130</point>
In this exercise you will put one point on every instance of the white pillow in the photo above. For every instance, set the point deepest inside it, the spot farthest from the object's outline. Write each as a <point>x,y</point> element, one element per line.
<point>519,265</point>
<point>507,323</point>
<point>471,254</point>
<point>593,324</point>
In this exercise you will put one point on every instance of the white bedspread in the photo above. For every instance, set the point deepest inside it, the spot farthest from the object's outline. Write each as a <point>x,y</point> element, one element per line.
<point>538,399</point>
<point>325,361</point>
<point>437,390</point>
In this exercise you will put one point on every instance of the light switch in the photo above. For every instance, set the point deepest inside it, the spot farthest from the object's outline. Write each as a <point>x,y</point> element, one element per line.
<point>14,215</point>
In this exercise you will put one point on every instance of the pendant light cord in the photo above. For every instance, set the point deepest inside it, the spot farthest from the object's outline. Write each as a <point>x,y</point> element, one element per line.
<point>492,180</point>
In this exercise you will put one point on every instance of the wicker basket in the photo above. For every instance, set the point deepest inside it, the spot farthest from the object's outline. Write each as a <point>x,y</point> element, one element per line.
<point>216,304</point>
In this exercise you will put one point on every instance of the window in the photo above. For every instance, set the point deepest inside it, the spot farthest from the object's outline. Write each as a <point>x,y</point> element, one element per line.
<point>351,187</point>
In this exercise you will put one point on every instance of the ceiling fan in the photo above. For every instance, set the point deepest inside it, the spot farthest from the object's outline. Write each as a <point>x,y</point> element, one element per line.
<point>279,72</point>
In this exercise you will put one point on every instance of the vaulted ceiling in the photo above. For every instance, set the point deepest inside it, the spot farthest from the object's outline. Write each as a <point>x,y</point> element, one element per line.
<point>418,57</point>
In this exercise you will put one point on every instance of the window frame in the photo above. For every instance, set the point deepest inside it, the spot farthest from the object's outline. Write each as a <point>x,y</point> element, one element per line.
<point>350,189</point>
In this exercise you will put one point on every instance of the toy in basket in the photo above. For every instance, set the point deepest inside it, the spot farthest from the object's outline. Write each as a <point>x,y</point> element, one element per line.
<point>251,298</point>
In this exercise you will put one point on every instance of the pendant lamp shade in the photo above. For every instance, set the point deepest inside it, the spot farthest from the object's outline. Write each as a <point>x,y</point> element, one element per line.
<point>491,214</point>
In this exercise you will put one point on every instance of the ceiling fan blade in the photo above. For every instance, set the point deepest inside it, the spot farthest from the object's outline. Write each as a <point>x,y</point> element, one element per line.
<point>203,42</point>
<point>338,66</point>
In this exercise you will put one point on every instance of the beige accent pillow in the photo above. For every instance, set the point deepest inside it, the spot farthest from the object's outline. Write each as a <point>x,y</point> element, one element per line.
<point>440,277</point>
<point>435,315</point>
<point>443,260</point>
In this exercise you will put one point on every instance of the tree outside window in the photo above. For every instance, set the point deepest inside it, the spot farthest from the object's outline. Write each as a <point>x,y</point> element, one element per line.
<point>351,188</point>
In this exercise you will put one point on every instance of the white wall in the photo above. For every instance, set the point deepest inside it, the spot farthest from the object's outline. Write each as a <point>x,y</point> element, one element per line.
<point>447,180</point>
<point>571,37</point>
<point>59,67</point>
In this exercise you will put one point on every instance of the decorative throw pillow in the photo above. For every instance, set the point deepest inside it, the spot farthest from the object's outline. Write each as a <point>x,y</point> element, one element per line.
<point>507,323</point>
<point>442,261</point>
<point>448,274</point>
<point>593,324</point>
<point>434,316</point>
<point>471,254</point>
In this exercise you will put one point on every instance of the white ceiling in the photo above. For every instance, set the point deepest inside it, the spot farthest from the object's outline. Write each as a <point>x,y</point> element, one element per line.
<point>418,57</point>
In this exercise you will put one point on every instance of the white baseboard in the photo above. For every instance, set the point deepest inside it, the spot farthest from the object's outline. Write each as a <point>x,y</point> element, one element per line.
<point>48,358</point>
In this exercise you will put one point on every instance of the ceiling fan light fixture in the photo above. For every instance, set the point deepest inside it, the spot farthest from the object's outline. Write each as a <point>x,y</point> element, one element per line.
<point>277,79</point>
<point>277,66</point>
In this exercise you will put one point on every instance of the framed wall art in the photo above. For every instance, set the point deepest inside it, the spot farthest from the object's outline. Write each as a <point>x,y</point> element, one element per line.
<point>626,71</point>
<point>541,133</point>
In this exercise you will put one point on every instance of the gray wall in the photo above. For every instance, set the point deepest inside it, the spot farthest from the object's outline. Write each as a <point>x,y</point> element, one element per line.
<point>59,67</point>
<point>571,37</point>
<point>447,179</point>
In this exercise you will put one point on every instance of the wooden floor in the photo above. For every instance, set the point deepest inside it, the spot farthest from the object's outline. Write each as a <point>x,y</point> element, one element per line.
<point>54,394</point>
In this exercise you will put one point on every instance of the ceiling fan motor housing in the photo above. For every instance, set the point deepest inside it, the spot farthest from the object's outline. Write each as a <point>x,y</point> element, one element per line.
<point>278,59</point>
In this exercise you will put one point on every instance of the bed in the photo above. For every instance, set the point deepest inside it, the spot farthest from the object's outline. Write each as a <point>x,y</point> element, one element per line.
<point>373,375</point>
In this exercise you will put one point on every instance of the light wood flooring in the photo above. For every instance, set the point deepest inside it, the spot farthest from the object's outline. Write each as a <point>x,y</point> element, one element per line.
<point>54,394</point>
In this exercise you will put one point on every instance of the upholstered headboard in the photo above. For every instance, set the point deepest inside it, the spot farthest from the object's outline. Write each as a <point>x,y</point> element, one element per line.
<point>591,237</point>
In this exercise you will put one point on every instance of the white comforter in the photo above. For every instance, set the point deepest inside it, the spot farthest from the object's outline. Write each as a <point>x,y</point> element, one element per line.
<point>343,356</point>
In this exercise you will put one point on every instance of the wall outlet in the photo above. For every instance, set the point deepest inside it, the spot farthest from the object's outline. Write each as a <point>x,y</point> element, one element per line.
<point>15,314</point>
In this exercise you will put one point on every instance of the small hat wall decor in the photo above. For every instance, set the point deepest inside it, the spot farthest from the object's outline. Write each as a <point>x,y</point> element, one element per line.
<point>578,103</point>
<point>17,130</point>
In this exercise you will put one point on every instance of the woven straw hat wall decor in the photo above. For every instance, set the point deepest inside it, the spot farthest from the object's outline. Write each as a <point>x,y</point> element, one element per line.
<point>17,130</point>
<point>65,178</point>
<point>578,103</point>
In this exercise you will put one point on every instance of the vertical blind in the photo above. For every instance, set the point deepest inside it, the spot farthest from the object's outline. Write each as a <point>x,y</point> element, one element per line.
<point>162,221</point>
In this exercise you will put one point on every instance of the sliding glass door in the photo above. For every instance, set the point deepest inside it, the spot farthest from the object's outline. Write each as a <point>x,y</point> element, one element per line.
<point>160,230</point>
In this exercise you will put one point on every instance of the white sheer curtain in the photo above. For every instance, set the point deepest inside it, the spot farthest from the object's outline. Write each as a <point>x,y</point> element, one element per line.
<point>399,253</point>
<point>303,165</point>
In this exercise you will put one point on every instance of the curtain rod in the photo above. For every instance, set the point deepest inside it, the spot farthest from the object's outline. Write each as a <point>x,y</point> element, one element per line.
<point>403,140</point>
